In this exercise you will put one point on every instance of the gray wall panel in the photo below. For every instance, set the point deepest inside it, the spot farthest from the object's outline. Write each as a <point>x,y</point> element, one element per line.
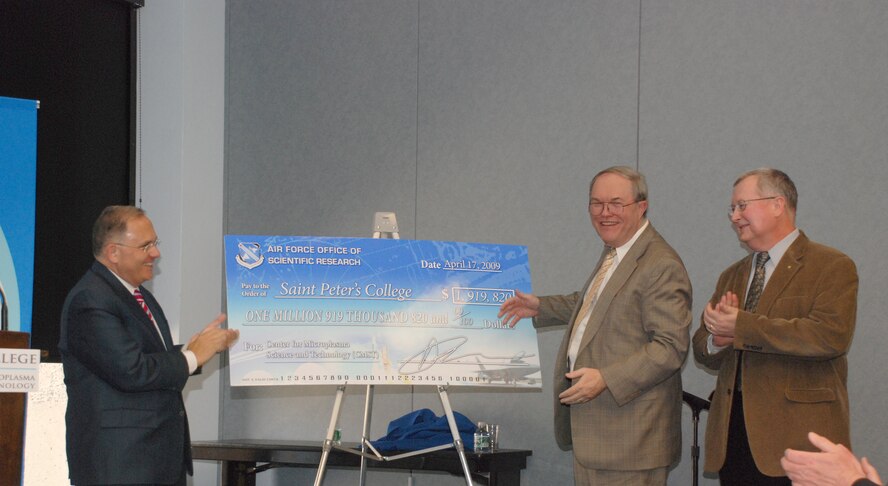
<point>520,104</point>
<point>485,120</point>
<point>321,132</point>
<point>802,86</point>
<point>321,115</point>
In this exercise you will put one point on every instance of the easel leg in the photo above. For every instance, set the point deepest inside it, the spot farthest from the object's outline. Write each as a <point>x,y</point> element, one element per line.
<point>365,433</point>
<point>457,440</point>
<point>331,429</point>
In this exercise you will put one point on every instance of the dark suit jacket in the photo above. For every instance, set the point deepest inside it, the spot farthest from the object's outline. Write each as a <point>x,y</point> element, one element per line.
<point>638,336</point>
<point>863,482</point>
<point>795,370</point>
<point>126,419</point>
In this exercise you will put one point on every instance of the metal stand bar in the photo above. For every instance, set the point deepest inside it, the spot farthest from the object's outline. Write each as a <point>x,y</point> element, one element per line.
<point>697,405</point>
<point>374,454</point>
<point>457,441</point>
<point>695,449</point>
<point>385,225</point>
<point>365,434</point>
<point>331,429</point>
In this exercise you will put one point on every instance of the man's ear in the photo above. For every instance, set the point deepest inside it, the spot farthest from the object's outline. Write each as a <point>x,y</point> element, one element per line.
<point>779,205</point>
<point>110,252</point>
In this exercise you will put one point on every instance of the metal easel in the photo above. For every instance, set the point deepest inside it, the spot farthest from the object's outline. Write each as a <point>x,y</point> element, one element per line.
<point>385,225</point>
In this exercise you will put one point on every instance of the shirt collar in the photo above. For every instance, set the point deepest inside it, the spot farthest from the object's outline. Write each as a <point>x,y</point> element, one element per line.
<point>779,249</point>
<point>625,247</point>
<point>124,282</point>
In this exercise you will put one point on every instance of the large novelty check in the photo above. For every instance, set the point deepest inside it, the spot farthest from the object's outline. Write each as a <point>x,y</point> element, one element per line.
<point>314,310</point>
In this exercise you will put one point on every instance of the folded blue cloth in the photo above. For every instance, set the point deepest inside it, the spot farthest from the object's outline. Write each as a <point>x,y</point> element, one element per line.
<point>421,429</point>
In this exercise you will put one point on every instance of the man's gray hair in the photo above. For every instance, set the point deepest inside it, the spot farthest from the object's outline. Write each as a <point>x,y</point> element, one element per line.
<point>111,224</point>
<point>639,185</point>
<point>774,182</point>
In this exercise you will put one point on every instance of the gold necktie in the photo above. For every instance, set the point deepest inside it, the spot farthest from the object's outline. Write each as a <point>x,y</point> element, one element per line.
<point>592,293</point>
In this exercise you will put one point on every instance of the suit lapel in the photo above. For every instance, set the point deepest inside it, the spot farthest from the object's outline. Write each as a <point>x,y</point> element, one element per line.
<point>618,279</point>
<point>784,272</point>
<point>742,283</point>
<point>579,303</point>
<point>143,323</point>
<point>159,317</point>
<point>561,362</point>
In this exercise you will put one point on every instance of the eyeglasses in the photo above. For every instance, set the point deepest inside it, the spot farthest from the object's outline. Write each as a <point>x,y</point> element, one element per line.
<point>741,205</point>
<point>146,247</point>
<point>615,207</point>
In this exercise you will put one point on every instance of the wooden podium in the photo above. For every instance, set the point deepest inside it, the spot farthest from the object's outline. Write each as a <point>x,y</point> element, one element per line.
<point>12,420</point>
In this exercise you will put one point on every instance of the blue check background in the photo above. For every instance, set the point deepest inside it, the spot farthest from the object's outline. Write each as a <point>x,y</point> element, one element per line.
<point>383,261</point>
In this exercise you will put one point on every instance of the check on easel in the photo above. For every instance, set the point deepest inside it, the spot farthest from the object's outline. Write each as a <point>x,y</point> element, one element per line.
<point>319,310</point>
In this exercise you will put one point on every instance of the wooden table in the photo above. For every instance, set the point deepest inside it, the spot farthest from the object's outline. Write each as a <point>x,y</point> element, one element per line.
<point>239,458</point>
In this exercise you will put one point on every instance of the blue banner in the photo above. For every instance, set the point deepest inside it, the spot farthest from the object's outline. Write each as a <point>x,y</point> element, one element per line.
<point>18,166</point>
<point>314,310</point>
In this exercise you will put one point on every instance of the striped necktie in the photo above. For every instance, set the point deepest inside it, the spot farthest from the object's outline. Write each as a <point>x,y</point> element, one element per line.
<point>141,300</point>
<point>592,293</point>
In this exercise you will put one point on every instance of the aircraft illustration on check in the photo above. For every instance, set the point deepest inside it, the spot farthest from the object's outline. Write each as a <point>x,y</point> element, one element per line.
<point>514,371</point>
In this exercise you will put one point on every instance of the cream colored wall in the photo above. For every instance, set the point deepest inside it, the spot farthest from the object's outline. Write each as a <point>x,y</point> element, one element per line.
<point>45,462</point>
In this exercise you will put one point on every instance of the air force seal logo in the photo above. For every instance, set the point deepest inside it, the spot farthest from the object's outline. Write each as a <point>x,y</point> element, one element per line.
<point>249,255</point>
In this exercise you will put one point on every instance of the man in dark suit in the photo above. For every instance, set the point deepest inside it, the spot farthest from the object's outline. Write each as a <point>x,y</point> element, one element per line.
<point>618,373</point>
<point>781,355</point>
<point>126,421</point>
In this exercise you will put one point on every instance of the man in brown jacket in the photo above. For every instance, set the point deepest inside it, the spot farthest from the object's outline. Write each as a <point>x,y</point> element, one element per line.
<point>777,330</point>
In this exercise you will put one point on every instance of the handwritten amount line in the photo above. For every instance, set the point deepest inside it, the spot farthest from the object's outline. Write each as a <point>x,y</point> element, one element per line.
<point>317,360</point>
<point>362,324</point>
<point>333,297</point>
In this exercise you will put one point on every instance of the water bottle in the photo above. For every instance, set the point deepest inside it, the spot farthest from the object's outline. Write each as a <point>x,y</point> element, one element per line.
<point>482,438</point>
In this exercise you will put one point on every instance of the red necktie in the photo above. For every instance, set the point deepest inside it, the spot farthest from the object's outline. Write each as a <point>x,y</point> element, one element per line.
<point>141,300</point>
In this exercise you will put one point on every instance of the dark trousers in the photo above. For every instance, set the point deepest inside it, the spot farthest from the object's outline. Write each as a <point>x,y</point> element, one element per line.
<point>181,482</point>
<point>739,468</point>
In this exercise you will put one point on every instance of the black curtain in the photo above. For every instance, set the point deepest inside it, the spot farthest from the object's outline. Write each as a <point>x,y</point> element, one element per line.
<point>77,58</point>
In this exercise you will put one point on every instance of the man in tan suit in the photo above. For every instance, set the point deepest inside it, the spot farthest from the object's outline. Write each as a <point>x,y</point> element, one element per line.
<point>618,372</point>
<point>777,330</point>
